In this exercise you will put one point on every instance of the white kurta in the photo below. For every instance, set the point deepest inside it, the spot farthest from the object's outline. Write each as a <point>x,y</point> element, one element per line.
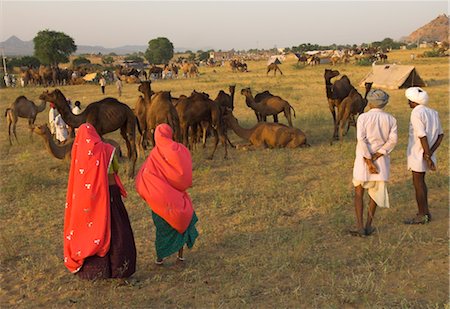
<point>424,121</point>
<point>51,119</point>
<point>61,129</point>
<point>76,110</point>
<point>376,131</point>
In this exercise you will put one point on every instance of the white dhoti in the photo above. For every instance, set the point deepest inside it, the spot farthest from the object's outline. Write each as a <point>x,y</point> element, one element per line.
<point>377,191</point>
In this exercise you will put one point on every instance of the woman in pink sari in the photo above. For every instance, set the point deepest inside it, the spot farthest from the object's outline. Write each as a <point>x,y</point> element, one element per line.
<point>98,240</point>
<point>162,182</point>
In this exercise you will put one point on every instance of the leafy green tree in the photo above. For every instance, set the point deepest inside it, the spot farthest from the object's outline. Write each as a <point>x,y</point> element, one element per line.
<point>52,47</point>
<point>107,59</point>
<point>80,61</point>
<point>134,57</point>
<point>26,61</point>
<point>202,56</point>
<point>159,51</point>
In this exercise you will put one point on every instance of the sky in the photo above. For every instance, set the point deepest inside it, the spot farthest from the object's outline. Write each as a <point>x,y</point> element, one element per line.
<point>218,24</point>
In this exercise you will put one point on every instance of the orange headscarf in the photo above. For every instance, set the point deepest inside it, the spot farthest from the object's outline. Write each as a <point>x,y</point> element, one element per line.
<point>87,225</point>
<point>164,178</point>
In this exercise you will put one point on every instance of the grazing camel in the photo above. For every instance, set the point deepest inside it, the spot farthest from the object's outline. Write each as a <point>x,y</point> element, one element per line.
<point>63,151</point>
<point>271,135</point>
<point>335,94</point>
<point>161,110</point>
<point>274,67</point>
<point>194,110</point>
<point>352,106</point>
<point>106,116</point>
<point>271,105</point>
<point>23,108</point>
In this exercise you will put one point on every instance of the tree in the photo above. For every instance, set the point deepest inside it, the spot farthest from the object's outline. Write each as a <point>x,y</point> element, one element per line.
<point>134,57</point>
<point>159,51</point>
<point>107,59</point>
<point>26,61</point>
<point>52,47</point>
<point>80,61</point>
<point>203,56</point>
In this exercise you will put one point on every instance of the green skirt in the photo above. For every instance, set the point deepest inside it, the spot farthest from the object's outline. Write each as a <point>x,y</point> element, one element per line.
<point>168,240</point>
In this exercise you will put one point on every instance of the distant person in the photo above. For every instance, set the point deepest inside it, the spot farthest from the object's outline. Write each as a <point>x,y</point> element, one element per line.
<point>98,239</point>
<point>376,138</point>
<point>162,182</point>
<point>51,118</point>
<point>425,130</point>
<point>7,80</point>
<point>61,129</point>
<point>76,110</point>
<point>119,86</point>
<point>102,83</point>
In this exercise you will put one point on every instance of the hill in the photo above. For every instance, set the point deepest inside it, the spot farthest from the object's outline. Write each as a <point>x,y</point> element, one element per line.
<point>436,30</point>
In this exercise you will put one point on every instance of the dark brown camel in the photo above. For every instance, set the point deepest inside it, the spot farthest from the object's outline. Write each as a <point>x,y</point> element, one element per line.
<point>22,108</point>
<point>161,110</point>
<point>196,109</point>
<point>140,110</point>
<point>273,67</point>
<point>268,135</point>
<point>271,105</point>
<point>352,106</point>
<point>63,151</point>
<point>335,94</point>
<point>225,101</point>
<point>106,116</point>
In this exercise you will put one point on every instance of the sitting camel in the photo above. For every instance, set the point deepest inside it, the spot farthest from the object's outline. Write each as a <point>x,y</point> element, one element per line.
<point>274,67</point>
<point>271,135</point>
<point>23,108</point>
<point>63,151</point>
<point>352,106</point>
<point>270,105</point>
<point>106,116</point>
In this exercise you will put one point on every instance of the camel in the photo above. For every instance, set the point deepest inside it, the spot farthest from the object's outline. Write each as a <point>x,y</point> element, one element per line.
<point>140,108</point>
<point>274,67</point>
<point>272,105</point>
<point>268,135</point>
<point>161,110</point>
<point>335,94</point>
<point>63,151</point>
<point>194,110</point>
<point>23,108</point>
<point>189,69</point>
<point>226,100</point>
<point>106,116</point>
<point>352,106</point>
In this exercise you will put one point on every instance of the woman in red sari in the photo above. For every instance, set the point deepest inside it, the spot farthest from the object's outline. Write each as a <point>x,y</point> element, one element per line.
<point>162,182</point>
<point>98,240</point>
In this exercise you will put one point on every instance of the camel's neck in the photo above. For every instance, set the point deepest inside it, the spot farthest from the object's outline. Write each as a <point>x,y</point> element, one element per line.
<point>250,101</point>
<point>70,118</point>
<point>59,152</point>
<point>147,96</point>
<point>240,131</point>
<point>367,91</point>
<point>232,97</point>
<point>328,86</point>
<point>41,107</point>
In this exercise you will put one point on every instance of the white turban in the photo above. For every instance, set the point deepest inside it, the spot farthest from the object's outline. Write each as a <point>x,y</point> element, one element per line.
<point>377,98</point>
<point>417,95</point>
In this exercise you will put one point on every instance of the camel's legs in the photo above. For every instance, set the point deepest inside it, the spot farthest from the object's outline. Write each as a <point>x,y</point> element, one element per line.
<point>216,141</point>
<point>275,118</point>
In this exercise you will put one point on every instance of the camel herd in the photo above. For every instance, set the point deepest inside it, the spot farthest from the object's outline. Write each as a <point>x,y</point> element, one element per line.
<point>193,118</point>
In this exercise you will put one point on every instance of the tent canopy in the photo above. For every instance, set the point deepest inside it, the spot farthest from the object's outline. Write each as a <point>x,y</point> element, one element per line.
<point>393,76</point>
<point>90,77</point>
<point>275,59</point>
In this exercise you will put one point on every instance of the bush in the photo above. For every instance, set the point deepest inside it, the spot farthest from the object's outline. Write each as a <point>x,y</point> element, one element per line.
<point>364,62</point>
<point>433,53</point>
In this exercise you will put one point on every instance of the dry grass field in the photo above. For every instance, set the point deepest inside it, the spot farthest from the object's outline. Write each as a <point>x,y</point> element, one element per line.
<point>272,223</point>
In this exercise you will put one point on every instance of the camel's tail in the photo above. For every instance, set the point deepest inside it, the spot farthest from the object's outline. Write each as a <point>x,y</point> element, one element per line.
<point>138,126</point>
<point>6,111</point>
<point>290,106</point>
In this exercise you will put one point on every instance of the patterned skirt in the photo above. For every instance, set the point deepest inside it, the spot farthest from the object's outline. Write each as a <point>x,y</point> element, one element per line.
<point>168,240</point>
<point>120,261</point>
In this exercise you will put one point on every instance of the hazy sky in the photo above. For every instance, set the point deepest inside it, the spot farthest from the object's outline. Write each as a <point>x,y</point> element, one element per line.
<point>218,25</point>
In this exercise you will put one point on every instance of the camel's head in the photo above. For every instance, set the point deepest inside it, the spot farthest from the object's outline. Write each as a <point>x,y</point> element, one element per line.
<point>40,130</point>
<point>44,95</point>
<point>145,86</point>
<point>246,91</point>
<point>232,88</point>
<point>203,95</point>
<point>329,74</point>
<point>368,86</point>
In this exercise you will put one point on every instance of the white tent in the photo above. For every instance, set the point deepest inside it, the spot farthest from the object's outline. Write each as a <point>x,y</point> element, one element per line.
<point>393,76</point>
<point>276,59</point>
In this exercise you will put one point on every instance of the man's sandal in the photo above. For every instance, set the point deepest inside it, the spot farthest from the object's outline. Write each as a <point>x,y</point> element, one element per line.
<point>157,262</point>
<point>358,233</point>
<point>369,230</point>
<point>181,259</point>
<point>418,220</point>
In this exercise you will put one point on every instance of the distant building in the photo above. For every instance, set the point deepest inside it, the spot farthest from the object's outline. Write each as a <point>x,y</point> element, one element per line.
<point>219,56</point>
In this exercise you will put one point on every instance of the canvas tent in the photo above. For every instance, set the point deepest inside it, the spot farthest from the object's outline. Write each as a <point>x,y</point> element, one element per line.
<point>393,76</point>
<point>275,59</point>
<point>90,77</point>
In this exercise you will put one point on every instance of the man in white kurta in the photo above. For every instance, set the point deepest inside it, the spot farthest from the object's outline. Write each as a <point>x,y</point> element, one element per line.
<point>425,130</point>
<point>51,118</point>
<point>61,129</point>
<point>376,138</point>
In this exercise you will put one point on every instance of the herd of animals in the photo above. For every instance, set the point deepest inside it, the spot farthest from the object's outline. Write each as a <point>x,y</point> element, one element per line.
<point>192,117</point>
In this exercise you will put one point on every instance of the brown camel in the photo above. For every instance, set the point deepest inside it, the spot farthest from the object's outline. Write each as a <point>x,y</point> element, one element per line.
<point>22,108</point>
<point>161,110</point>
<point>273,67</point>
<point>271,135</point>
<point>189,69</point>
<point>106,116</point>
<point>140,110</point>
<point>352,106</point>
<point>63,151</point>
<point>335,94</point>
<point>272,105</point>
<point>226,100</point>
<point>194,110</point>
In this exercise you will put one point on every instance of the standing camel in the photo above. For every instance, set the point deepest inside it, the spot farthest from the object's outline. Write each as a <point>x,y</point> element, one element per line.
<point>274,67</point>
<point>23,108</point>
<point>352,106</point>
<point>140,110</point>
<point>269,106</point>
<point>106,116</point>
<point>335,94</point>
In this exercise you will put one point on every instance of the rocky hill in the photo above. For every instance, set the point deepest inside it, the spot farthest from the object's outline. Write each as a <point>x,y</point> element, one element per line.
<point>436,30</point>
